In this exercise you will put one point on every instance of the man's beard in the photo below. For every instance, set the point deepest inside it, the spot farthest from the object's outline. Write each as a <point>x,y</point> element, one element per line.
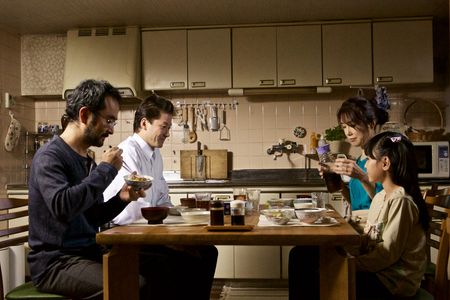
<point>92,137</point>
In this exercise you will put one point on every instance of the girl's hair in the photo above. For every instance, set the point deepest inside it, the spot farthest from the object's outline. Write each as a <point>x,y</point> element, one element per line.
<point>360,112</point>
<point>403,170</point>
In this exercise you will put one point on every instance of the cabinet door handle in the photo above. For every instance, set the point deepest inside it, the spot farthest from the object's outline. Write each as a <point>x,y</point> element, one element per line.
<point>287,82</point>
<point>333,81</point>
<point>177,84</point>
<point>198,84</point>
<point>267,82</point>
<point>385,79</point>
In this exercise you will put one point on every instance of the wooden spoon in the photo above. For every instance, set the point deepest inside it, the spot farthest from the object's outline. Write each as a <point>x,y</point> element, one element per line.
<point>192,133</point>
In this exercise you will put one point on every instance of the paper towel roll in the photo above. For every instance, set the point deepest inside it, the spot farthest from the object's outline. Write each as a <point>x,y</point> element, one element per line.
<point>4,262</point>
<point>16,265</point>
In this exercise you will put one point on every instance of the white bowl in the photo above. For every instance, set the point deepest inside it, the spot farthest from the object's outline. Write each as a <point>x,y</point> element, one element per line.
<point>278,216</point>
<point>195,216</point>
<point>280,203</point>
<point>138,181</point>
<point>309,215</point>
<point>303,203</point>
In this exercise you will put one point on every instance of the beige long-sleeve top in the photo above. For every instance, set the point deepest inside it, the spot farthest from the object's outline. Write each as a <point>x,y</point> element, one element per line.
<point>397,243</point>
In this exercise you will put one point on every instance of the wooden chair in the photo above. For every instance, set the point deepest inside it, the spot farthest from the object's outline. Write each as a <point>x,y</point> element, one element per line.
<point>15,234</point>
<point>436,279</point>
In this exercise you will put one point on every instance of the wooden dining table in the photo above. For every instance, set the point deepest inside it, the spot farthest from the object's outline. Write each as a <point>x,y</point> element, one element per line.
<point>120,265</point>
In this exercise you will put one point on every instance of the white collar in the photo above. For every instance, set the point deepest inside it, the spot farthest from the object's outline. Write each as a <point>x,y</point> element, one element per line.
<point>143,145</point>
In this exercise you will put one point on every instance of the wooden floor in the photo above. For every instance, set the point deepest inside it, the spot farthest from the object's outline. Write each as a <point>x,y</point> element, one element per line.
<point>262,283</point>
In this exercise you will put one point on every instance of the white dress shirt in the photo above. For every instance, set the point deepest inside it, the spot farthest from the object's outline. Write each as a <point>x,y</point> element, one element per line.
<point>140,157</point>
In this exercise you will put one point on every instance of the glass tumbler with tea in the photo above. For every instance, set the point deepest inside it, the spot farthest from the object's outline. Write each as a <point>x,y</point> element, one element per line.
<point>333,180</point>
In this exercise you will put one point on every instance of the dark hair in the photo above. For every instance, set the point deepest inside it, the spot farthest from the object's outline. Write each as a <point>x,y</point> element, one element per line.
<point>358,111</point>
<point>151,109</point>
<point>400,152</point>
<point>89,93</point>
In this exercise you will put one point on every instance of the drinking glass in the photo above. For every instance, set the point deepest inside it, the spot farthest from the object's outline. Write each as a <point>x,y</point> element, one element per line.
<point>253,196</point>
<point>319,199</point>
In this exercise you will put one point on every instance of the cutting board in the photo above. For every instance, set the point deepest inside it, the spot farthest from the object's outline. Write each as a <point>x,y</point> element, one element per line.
<point>216,164</point>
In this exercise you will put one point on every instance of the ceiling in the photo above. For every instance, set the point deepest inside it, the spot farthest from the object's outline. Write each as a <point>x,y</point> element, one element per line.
<point>57,16</point>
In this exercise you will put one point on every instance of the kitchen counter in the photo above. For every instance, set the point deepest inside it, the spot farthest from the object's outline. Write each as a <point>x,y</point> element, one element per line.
<point>259,177</point>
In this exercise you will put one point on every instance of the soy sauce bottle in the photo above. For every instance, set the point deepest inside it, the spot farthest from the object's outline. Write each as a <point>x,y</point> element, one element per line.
<point>216,212</point>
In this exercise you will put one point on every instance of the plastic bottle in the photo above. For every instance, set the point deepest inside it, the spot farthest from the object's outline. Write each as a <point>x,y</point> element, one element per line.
<point>332,180</point>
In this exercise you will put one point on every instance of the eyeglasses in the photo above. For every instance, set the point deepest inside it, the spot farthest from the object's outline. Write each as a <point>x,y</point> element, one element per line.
<point>110,122</point>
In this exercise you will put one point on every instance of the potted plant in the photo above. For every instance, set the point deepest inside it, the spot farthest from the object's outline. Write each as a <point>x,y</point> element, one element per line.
<point>335,136</point>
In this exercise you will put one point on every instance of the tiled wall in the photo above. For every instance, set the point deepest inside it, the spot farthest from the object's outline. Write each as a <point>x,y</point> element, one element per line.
<point>12,163</point>
<point>257,123</point>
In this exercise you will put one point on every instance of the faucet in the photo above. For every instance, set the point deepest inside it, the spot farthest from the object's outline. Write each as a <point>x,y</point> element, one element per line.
<point>283,146</point>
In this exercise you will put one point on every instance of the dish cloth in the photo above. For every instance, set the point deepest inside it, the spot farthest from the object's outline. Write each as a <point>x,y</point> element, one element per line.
<point>12,136</point>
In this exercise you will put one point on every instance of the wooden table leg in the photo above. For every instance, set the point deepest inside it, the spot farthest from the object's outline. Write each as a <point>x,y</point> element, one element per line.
<point>121,273</point>
<point>337,275</point>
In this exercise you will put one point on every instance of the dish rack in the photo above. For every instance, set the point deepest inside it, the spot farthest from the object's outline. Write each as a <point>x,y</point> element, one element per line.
<point>422,135</point>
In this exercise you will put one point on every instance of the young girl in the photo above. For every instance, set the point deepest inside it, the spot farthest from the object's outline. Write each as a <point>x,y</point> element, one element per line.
<point>392,258</point>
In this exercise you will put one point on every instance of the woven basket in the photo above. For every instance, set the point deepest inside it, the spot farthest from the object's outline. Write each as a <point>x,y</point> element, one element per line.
<point>422,135</point>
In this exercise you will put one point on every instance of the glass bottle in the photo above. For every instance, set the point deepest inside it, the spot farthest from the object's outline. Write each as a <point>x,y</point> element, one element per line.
<point>216,212</point>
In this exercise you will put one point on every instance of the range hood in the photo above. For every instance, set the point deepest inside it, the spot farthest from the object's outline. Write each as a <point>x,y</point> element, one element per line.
<point>111,54</point>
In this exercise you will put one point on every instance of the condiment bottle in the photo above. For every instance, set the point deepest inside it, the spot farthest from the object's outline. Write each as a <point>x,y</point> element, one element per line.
<point>332,180</point>
<point>237,212</point>
<point>216,212</point>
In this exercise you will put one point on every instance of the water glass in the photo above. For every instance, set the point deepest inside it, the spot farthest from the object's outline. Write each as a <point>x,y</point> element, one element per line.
<point>253,196</point>
<point>319,199</point>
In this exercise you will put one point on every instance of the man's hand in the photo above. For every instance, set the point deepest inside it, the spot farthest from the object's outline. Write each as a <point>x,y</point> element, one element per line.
<point>113,156</point>
<point>128,194</point>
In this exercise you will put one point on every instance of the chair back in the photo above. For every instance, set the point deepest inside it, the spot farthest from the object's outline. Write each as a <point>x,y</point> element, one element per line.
<point>12,230</point>
<point>438,238</point>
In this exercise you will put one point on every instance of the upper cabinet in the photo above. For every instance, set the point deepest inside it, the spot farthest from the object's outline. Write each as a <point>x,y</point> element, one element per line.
<point>285,56</point>
<point>164,59</point>
<point>299,56</point>
<point>186,59</point>
<point>254,57</point>
<point>347,54</point>
<point>403,51</point>
<point>209,58</point>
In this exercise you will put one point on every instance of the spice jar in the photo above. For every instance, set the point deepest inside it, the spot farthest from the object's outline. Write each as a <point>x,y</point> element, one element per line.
<point>237,212</point>
<point>216,212</point>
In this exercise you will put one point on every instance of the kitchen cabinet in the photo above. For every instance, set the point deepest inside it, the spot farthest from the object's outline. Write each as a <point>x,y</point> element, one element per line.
<point>186,59</point>
<point>299,56</point>
<point>284,56</point>
<point>403,51</point>
<point>209,58</point>
<point>347,54</point>
<point>254,57</point>
<point>164,59</point>
<point>225,265</point>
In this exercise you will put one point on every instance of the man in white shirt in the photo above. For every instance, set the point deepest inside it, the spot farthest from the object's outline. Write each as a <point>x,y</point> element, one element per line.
<point>182,272</point>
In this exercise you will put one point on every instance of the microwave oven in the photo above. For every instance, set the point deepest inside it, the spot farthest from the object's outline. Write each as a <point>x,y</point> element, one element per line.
<point>432,159</point>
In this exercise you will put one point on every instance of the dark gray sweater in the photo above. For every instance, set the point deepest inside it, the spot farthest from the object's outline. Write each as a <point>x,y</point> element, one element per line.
<point>66,205</point>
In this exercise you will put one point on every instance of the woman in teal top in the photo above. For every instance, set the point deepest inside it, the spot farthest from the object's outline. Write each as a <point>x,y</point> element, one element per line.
<point>358,195</point>
<point>360,119</point>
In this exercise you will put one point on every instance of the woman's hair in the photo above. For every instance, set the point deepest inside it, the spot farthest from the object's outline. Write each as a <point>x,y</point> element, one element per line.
<point>151,109</point>
<point>403,170</point>
<point>91,94</point>
<point>359,112</point>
